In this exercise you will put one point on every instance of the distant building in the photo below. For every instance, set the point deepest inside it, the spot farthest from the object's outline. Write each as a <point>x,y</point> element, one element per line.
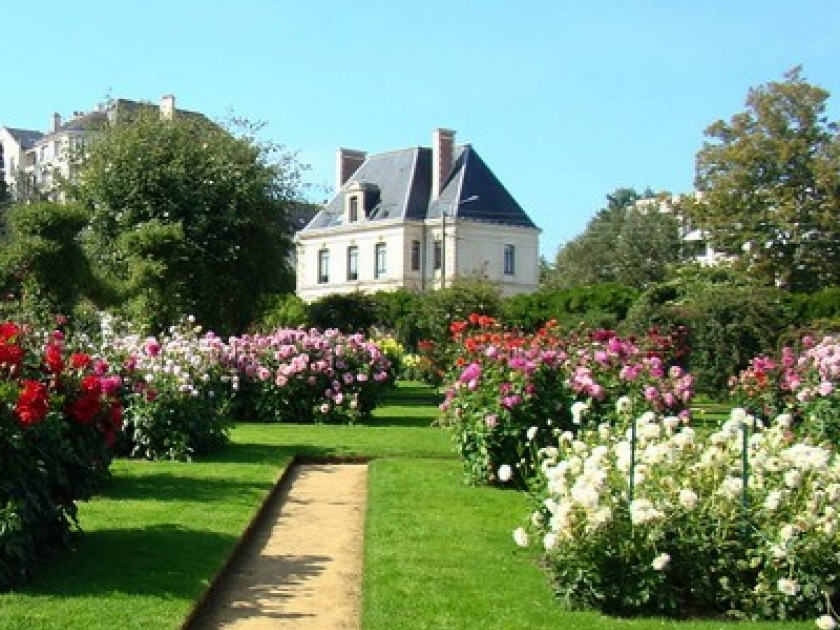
<point>32,162</point>
<point>417,218</point>
<point>696,244</point>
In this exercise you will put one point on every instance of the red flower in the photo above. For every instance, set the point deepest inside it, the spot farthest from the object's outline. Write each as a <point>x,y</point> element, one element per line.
<point>53,358</point>
<point>9,331</point>
<point>92,385</point>
<point>79,360</point>
<point>32,405</point>
<point>10,355</point>
<point>85,408</point>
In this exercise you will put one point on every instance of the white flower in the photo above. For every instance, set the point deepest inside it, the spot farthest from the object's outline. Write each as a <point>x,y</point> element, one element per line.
<point>793,478</point>
<point>578,409</point>
<point>773,500</point>
<point>505,473</point>
<point>826,622</point>
<point>550,541</point>
<point>788,587</point>
<point>622,405</point>
<point>520,537</point>
<point>688,498</point>
<point>660,562</point>
<point>532,433</point>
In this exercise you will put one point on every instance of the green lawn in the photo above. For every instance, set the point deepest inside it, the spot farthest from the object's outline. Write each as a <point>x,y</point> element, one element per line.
<point>438,554</point>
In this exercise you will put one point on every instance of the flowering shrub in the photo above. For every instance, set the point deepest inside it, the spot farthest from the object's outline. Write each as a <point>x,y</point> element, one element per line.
<point>507,387</point>
<point>742,523</point>
<point>308,376</point>
<point>180,390</point>
<point>804,385</point>
<point>60,411</point>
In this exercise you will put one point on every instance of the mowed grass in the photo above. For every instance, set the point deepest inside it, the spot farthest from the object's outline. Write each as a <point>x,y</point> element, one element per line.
<point>438,554</point>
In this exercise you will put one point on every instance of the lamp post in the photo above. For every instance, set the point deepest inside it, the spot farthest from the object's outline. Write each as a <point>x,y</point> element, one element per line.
<point>443,235</point>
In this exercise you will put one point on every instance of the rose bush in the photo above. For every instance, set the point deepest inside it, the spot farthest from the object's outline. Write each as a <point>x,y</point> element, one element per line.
<point>60,412</point>
<point>803,384</point>
<point>507,387</point>
<point>179,393</point>
<point>308,376</point>
<point>742,523</point>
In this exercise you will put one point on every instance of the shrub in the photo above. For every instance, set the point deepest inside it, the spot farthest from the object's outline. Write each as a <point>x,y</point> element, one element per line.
<point>803,384</point>
<point>180,391</point>
<point>308,376</point>
<point>506,386</point>
<point>741,523</point>
<point>726,326</point>
<point>60,412</point>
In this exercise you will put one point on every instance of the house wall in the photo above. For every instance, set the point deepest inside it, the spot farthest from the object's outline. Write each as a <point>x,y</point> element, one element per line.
<point>13,156</point>
<point>479,249</point>
<point>470,250</point>
<point>337,241</point>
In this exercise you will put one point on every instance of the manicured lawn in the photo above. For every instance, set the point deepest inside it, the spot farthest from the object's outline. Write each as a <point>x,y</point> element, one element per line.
<point>438,554</point>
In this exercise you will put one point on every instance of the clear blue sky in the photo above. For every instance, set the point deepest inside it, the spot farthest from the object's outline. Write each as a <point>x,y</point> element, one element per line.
<point>566,100</point>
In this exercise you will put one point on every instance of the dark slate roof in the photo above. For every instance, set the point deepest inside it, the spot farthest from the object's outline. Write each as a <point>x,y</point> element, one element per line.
<point>26,138</point>
<point>403,181</point>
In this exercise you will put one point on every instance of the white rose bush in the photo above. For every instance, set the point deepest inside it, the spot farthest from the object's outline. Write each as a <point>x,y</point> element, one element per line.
<point>643,516</point>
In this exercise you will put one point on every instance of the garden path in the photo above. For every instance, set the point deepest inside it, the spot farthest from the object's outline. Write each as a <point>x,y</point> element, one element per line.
<point>301,567</point>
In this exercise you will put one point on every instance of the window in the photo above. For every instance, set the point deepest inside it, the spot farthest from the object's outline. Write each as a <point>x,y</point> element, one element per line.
<point>353,262</point>
<point>510,260</point>
<point>379,270</point>
<point>323,266</point>
<point>438,254</point>
<point>353,213</point>
<point>415,255</point>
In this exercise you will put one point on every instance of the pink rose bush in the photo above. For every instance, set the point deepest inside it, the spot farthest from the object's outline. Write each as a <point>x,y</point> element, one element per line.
<point>803,384</point>
<point>295,375</point>
<point>510,393</point>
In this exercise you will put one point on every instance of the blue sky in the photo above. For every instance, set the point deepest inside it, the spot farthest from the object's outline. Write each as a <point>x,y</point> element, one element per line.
<point>566,100</point>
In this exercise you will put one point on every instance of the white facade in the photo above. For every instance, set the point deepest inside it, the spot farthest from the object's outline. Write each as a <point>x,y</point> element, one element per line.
<point>467,250</point>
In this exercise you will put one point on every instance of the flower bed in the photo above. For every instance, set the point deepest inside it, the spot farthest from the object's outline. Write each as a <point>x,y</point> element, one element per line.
<point>308,376</point>
<point>509,389</point>
<point>60,412</point>
<point>743,523</point>
<point>805,385</point>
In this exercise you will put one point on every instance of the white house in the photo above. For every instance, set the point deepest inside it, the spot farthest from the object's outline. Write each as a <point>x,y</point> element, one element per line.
<point>417,218</point>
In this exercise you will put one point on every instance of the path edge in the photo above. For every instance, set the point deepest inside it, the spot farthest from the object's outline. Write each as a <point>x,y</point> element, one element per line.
<point>281,487</point>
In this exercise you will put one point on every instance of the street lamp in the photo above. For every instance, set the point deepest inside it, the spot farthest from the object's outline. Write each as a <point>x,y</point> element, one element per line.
<point>443,235</point>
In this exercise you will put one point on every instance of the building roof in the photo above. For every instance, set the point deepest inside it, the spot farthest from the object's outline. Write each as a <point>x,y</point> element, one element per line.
<point>26,138</point>
<point>401,182</point>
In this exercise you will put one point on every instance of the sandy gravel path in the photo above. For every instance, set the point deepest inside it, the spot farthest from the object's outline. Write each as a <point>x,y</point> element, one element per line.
<point>301,569</point>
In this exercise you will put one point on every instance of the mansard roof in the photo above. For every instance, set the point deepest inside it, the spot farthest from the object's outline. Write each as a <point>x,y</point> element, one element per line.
<point>402,184</point>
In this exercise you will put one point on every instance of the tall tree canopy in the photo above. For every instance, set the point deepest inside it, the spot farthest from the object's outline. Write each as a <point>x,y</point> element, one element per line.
<point>185,217</point>
<point>623,243</point>
<point>42,264</point>
<point>770,179</point>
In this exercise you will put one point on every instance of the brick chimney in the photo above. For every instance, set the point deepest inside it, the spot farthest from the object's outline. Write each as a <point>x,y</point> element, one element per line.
<point>347,162</point>
<point>443,149</point>
<point>56,121</point>
<point>167,107</point>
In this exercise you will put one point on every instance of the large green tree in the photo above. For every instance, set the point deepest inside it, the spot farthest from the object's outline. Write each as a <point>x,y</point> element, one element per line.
<point>42,264</point>
<point>187,217</point>
<point>624,243</point>
<point>770,179</point>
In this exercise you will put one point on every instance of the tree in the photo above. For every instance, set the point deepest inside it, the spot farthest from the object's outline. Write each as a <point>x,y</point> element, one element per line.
<point>623,243</point>
<point>770,179</point>
<point>42,263</point>
<point>187,218</point>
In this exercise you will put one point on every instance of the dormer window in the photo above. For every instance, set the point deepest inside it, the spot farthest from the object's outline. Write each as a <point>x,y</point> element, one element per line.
<point>360,199</point>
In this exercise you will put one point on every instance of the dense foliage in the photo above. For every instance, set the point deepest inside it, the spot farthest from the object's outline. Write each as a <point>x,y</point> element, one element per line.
<point>60,413</point>
<point>185,217</point>
<point>770,179</point>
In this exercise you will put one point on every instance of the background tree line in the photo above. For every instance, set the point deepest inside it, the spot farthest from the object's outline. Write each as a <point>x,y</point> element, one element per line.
<point>166,217</point>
